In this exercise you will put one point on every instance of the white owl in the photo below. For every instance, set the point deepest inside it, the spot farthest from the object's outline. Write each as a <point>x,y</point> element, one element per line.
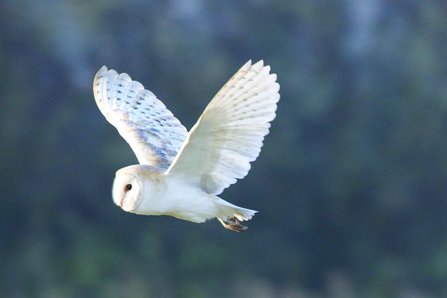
<point>180,174</point>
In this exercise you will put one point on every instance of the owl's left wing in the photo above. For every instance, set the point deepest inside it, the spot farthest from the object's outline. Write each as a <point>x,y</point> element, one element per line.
<point>229,134</point>
<point>153,133</point>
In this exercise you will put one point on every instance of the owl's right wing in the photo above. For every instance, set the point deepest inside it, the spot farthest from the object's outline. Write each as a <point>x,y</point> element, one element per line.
<point>229,134</point>
<point>153,133</point>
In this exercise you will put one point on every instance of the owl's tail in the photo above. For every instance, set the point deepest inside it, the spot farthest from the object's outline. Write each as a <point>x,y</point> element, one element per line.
<point>231,215</point>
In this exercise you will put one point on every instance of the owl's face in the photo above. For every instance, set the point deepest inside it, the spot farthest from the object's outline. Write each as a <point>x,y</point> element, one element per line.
<point>127,190</point>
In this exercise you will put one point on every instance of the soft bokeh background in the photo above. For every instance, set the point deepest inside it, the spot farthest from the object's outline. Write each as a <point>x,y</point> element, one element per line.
<point>351,183</point>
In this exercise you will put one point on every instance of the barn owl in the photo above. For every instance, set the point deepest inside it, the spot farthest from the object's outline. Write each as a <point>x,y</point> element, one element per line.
<point>181,174</point>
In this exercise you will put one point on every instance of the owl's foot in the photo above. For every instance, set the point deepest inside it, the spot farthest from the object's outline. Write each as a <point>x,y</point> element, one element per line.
<point>233,224</point>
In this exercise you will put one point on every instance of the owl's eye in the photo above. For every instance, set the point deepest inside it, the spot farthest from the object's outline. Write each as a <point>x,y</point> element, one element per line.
<point>128,186</point>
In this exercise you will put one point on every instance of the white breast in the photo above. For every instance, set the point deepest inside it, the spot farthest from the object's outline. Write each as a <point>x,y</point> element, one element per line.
<point>176,198</point>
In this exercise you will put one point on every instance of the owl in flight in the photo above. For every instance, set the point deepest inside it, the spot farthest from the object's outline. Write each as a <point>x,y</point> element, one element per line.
<point>181,174</point>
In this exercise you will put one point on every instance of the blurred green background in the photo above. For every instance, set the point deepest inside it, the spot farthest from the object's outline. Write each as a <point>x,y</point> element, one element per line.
<point>350,185</point>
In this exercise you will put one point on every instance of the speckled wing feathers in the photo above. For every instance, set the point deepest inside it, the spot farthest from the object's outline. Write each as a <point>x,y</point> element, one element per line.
<point>151,130</point>
<point>230,132</point>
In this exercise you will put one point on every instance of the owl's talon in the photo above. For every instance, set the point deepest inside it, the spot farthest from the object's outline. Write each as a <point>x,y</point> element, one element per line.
<point>232,223</point>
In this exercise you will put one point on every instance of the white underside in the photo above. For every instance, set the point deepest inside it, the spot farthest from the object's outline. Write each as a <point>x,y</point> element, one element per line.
<point>176,198</point>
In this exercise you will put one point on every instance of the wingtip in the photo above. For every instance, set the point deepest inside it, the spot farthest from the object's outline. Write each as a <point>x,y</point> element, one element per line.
<point>258,65</point>
<point>247,64</point>
<point>101,72</point>
<point>268,68</point>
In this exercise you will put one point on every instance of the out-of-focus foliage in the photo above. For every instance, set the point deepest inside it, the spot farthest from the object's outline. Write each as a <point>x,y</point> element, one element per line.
<point>351,183</point>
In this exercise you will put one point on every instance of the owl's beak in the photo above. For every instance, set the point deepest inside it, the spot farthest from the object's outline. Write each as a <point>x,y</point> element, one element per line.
<point>122,202</point>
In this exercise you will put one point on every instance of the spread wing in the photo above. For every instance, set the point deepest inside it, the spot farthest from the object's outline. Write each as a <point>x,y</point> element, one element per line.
<point>151,130</point>
<point>229,133</point>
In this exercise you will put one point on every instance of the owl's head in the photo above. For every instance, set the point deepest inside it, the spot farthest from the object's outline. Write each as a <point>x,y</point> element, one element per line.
<point>127,188</point>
